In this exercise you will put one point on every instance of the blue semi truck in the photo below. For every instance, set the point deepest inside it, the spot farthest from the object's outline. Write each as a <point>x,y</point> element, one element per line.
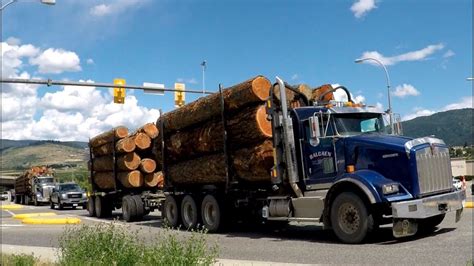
<point>337,164</point>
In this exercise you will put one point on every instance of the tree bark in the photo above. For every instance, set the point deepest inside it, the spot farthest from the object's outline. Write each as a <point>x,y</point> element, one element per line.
<point>108,136</point>
<point>251,164</point>
<point>147,165</point>
<point>246,127</point>
<point>132,179</point>
<point>126,162</point>
<point>153,179</point>
<point>104,180</point>
<point>203,109</point>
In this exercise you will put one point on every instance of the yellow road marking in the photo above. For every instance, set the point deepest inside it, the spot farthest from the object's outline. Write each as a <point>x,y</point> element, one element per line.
<point>63,220</point>
<point>31,215</point>
<point>11,207</point>
<point>469,204</point>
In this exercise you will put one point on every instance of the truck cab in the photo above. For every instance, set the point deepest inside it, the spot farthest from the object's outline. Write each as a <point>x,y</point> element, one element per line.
<point>41,188</point>
<point>345,170</point>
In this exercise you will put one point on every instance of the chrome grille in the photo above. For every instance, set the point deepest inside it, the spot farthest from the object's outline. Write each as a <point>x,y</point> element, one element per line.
<point>434,169</point>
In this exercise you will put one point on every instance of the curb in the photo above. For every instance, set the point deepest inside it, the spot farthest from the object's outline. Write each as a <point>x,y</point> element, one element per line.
<point>63,220</point>
<point>469,204</point>
<point>31,215</point>
<point>11,207</point>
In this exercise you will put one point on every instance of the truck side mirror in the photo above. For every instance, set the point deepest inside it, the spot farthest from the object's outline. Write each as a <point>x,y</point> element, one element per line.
<point>314,131</point>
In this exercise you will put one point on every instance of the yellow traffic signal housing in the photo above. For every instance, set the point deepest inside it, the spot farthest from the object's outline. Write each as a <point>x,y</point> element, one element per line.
<point>119,93</point>
<point>179,94</point>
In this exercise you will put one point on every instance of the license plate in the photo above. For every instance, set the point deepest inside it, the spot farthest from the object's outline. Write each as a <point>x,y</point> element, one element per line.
<point>75,204</point>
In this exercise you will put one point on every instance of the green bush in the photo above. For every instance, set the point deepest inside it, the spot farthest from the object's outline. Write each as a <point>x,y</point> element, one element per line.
<point>18,260</point>
<point>111,244</point>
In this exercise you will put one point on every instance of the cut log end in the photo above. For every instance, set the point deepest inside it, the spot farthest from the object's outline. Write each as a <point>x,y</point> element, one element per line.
<point>151,130</point>
<point>121,132</point>
<point>147,165</point>
<point>154,179</point>
<point>261,87</point>
<point>133,179</point>
<point>125,145</point>
<point>264,125</point>
<point>142,141</point>
<point>129,161</point>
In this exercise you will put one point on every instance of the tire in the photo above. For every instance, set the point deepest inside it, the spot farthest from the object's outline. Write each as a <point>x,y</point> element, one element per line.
<point>91,206</point>
<point>350,218</point>
<point>171,213</point>
<point>102,208</point>
<point>139,207</point>
<point>129,210</point>
<point>27,200</point>
<point>51,205</point>
<point>84,206</point>
<point>73,207</point>
<point>60,205</point>
<point>17,199</point>
<point>35,201</point>
<point>189,212</point>
<point>428,225</point>
<point>211,214</point>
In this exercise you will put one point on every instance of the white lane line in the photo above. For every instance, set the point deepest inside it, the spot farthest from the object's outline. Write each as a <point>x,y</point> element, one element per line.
<point>11,225</point>
<point>102,221</point>
<point>10,212</point>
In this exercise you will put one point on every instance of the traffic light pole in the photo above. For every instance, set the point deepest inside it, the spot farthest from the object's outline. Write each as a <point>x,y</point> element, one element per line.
<point>49,82</point>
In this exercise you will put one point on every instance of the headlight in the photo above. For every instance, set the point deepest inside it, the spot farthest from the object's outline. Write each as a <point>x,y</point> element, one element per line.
<point>390,189</point>
<point>64,196</point>
<point>84,195</point>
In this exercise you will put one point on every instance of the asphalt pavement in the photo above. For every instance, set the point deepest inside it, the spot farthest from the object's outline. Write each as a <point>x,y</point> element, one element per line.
<point>450,244</point>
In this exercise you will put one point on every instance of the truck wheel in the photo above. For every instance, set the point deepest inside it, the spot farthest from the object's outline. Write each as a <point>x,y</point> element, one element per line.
<point>129,210</point>
<point>211,213</point>
<point>189,212</point>
<point>140,208</point>
<point>60,205</point>
<point>171,212</point>
<point>27,200</point>
<point>35,201</point>
<point>51,205</point>
<point>349,218</point>
<point>91,206</point>
<point>17,199</point>
<point>429,224</point>
<point>102,208</point>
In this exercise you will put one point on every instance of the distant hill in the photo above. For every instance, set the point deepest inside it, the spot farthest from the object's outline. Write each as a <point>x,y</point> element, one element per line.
<point>454,126</point>
<point>18,155</point>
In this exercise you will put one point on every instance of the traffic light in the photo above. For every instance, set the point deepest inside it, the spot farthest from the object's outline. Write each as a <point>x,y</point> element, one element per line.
<point>179,95</point>
<point>119,93</point>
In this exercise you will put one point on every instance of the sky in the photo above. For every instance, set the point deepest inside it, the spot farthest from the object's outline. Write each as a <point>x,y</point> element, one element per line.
<point>425,45</point>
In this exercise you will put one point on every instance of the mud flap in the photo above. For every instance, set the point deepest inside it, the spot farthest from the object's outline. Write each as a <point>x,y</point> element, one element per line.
<point>404,227</point>
<point>459,214</point>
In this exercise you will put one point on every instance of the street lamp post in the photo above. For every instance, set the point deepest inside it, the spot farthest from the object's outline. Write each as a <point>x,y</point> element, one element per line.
<point>360,60</point>
<point>204,65</point>
<point>46,2</point>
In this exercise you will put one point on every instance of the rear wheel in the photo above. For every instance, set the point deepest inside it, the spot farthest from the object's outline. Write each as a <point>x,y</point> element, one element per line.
<point>102,208</point>
<point>349,218</point>
<point>211,213</point>
<point>129,210</point>
<point>189,212</point>
<point>60,205</point>
<point>91,206</point>
<point>140,208</point>
<point>51,205</point>
<point>35,201</point>
<point>171,211</point>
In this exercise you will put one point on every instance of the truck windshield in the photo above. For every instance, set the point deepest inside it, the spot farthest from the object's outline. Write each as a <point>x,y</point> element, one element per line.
<point>69,187</point>
<point>45,180</point>
<point>356,124</point>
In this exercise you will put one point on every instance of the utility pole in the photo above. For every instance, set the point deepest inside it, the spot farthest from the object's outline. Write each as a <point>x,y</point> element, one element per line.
<point>203,65</point>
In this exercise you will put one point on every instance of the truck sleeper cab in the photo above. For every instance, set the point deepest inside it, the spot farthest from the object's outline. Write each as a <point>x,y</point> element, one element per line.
<point>335,164</point>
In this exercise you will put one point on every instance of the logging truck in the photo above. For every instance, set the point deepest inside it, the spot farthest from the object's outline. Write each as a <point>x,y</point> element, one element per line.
<point>316,160</point>
<point>34,186</point>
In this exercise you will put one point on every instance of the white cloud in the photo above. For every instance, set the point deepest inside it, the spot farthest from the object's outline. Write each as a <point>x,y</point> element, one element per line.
<point>410,56</point>
<point>13,41</point>
<point>361,7</point>
<point>359,99</point>
<point>448,54</point>
<point>405,90</point>
<point>189,81</point>
<point>90,61</point>
<point>465,102</point>
<point>116,7</point>
<point>56,61</point>
<point>71,113</point>
<point>295,77</point>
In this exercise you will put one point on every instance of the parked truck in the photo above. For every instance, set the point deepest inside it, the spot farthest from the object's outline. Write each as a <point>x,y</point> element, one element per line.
<point>334,163</point>
<point>34,186</point>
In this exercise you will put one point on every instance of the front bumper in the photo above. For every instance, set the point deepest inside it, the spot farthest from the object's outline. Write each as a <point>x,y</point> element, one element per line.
<point>430,206</point>
<point>78,201</point>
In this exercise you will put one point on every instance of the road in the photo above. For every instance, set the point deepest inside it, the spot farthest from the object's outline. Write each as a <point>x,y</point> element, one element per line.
<point>451,244</point>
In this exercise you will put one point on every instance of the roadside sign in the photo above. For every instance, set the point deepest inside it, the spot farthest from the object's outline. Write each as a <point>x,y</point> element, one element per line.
<point>119,93</point>
<point>156,88</point>
<point>179,95</point>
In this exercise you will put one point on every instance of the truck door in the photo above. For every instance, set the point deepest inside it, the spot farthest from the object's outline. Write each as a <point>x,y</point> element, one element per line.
<point>319,162</point>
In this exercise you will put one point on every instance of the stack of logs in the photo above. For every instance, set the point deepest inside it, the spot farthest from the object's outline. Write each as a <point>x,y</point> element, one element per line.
<point>134,164</point>
<point>194,140</point>
<point>23,184</point>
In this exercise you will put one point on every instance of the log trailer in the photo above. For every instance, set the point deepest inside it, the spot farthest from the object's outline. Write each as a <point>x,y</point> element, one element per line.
<point>334,164</point>
<point>134,202</point>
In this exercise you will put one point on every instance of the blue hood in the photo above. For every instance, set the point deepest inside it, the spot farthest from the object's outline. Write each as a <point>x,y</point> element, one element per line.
<point>389,142</point>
